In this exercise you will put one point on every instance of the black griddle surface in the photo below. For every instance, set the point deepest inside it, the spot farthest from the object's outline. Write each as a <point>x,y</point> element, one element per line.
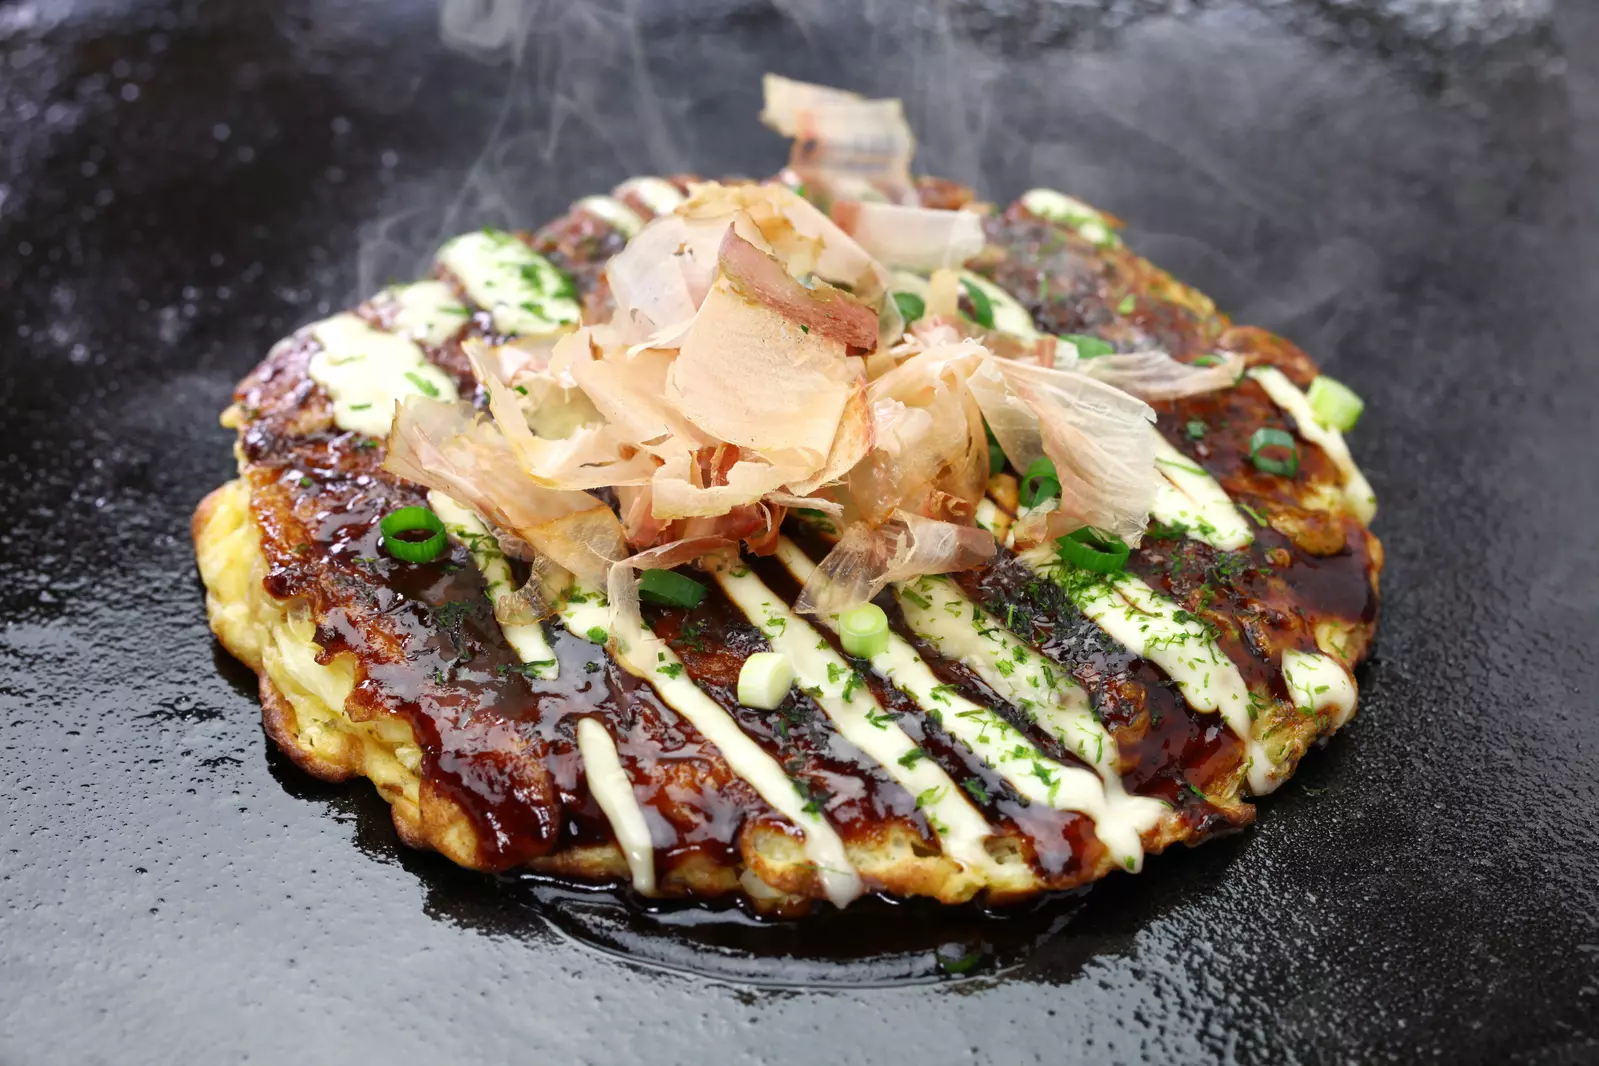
<point>1410,190</point>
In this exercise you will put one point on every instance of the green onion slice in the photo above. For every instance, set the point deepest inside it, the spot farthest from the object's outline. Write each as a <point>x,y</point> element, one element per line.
<point>1337,406</point>
<point>982,307</point>
<point>996,454</point>
<point>996,459</point>
<point>1103,553</point>
<point>396,524</point>
<point>668,589</point>
<point>1089,347</point>
<point>1267,437</point>
<point>863,630</point>
<point>1040,483</point>
<point>911,307</point>
<point>764,680</point>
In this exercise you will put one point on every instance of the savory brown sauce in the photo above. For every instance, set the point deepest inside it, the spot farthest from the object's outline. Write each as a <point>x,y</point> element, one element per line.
<point>499,741</point>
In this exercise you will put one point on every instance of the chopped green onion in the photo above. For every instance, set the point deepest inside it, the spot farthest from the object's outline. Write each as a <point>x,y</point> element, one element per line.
<point>1267,437</point>
<point>1128,304</point>
<point>1040,483</point>
<point>1207,360</point>
<point>668,589</point>
<point>1088,347</point>
<point>982,307</point>
<point>1196,430</point>
<point>764,680</point>
<point>1336,405</point>
<point>413,520</point>
<point>996,459</point>
<point>911,307</point>
<point>863,630</point>
<point>1103,553</point>
<point>996,454</point>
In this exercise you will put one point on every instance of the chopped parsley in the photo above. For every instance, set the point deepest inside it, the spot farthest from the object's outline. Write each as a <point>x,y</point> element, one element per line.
<point>452,613</point>
<point>690,635</point>
<point>533,669</point>
<point>422,383</point>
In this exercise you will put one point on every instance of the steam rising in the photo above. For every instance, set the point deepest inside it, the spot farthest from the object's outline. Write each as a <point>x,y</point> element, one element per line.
<point>598,90</point>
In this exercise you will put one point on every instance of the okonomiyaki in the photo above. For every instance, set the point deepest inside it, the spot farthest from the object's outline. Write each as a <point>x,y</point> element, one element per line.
<point>792,540</point>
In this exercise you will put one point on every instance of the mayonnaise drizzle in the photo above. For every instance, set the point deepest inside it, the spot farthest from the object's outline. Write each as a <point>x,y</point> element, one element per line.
<point>1009,315</point>
<point>1286,395</point>
<point>1058,207</point>
<point>858,717</point>
<point>642,653</point>
<point>614,213</point>
<point>520,288</point>
<point>657,194</point>
<point>1147,623</point>
<point>937,611</point>
<point>467,529</point>
<point>612,790</point>
<point>1317,682</point>
<point>366,372</point>
<point>1190,497</point>
<point>428,312</point>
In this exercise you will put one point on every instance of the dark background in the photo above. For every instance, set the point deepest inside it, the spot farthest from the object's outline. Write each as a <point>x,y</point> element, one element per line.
<point>1411,190</point>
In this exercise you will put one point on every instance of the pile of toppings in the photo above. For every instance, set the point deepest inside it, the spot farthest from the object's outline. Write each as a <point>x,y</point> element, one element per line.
<point>806,343</point>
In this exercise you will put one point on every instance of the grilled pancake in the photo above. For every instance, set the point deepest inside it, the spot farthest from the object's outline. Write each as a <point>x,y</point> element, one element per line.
<point>1034,728</point>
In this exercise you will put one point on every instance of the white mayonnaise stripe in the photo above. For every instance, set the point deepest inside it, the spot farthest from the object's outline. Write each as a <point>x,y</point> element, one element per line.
<point>642,653</point>
<point>468,529</point>
<point>520,288</point>
<point>1058,207</point>
<point>937,611</point>
<point>1009,315</point>
<point>1192,498</point>
<point>657,194</point>
<point>428,312</point>
<point>612,790</point>
<point>1286,395</point>
<point>366,372</point>
<point>1317,682</point>
<point>1158,629</point>
<point>614,213</point>
<point>860,719</point>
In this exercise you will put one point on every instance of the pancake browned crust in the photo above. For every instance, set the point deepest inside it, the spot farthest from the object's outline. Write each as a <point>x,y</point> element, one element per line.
<point>399,673</point>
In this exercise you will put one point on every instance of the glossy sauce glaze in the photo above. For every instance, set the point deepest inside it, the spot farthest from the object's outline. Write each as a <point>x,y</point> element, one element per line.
<point>501,742</point>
